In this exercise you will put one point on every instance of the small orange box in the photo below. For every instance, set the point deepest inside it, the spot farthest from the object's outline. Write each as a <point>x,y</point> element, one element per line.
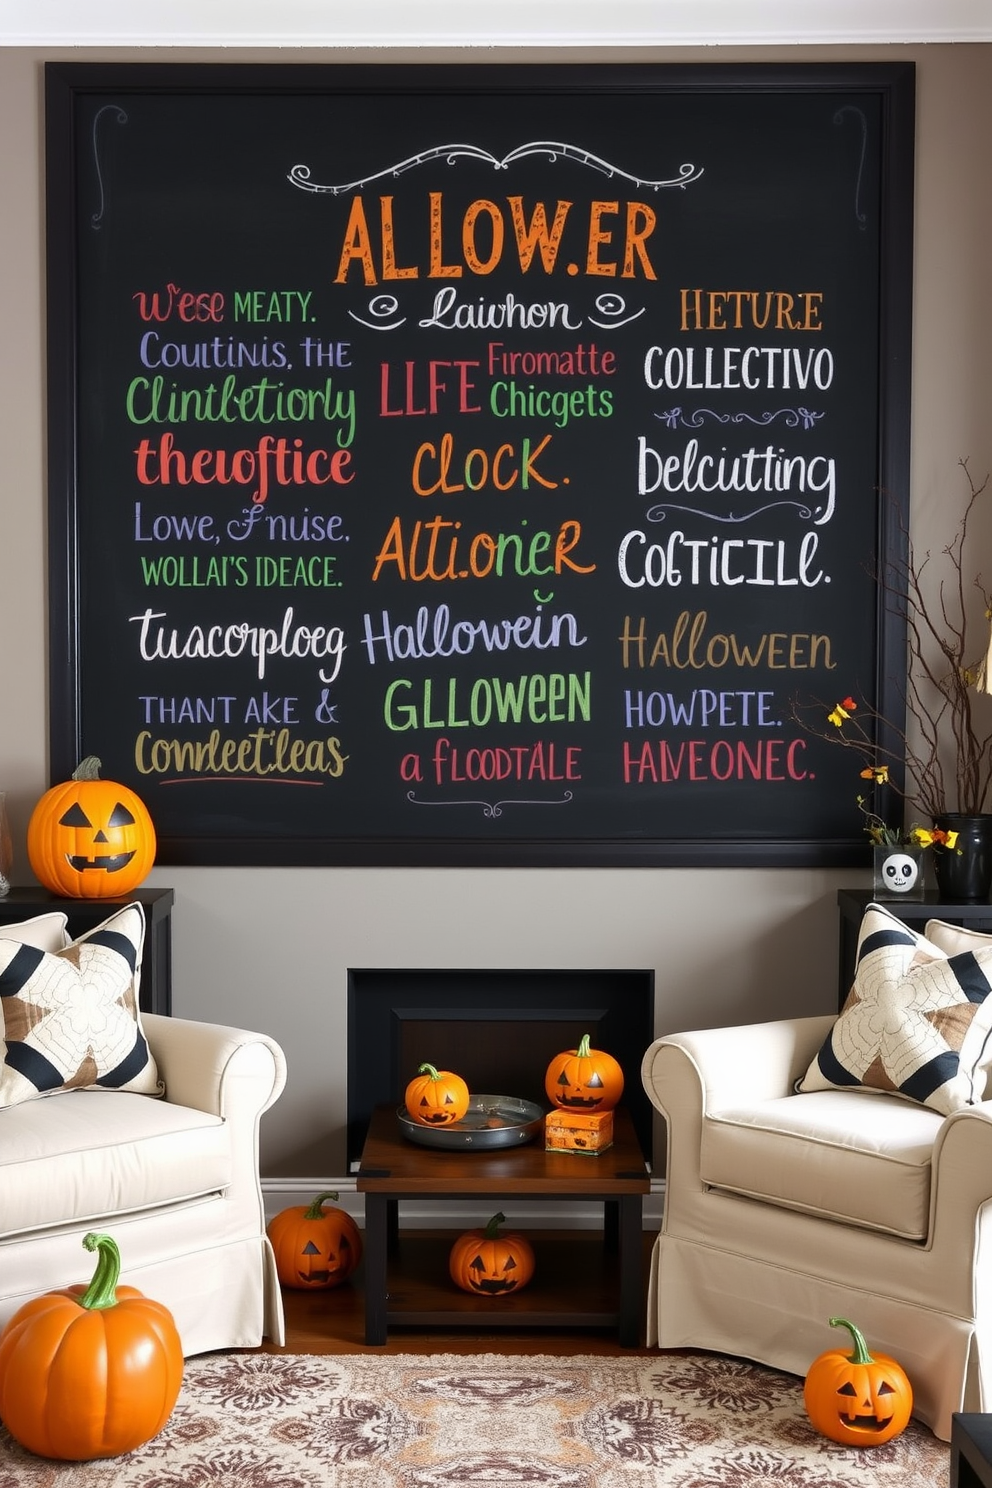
<point>565,1131</point>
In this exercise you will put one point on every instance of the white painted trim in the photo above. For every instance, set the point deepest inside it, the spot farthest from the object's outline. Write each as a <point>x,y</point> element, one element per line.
<point>283,1193</point>
<point>479,23</point>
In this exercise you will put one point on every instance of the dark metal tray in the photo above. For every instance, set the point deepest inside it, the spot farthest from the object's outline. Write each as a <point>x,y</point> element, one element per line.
<point>518,1121</point>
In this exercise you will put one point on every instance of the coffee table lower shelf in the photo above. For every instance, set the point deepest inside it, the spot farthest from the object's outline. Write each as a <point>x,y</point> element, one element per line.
<point>576,1284</point>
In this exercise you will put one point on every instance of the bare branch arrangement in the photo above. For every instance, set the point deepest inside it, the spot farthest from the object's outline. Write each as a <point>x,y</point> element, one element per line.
<point>945,744</point>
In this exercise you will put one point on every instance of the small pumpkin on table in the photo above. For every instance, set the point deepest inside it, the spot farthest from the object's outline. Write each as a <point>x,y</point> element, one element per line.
<point>436,1097</point>
<point>584,1080</point>
<point>583,1085</point>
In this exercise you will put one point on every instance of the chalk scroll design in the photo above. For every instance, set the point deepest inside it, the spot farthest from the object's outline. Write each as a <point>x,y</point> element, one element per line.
<point>659,513</point>
<point>384,308</point>
<point>553,149</point>
<point>491,810</point>
<point>849,108</point>
<point>96,220</point>
<point>614,308</point>
<point>795,418</point>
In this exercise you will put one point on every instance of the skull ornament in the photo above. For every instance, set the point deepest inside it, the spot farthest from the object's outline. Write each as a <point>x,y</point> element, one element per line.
<point>899,873</point>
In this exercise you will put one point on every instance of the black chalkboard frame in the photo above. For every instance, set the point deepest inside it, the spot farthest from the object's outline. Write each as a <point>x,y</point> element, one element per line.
<point>892,85</point>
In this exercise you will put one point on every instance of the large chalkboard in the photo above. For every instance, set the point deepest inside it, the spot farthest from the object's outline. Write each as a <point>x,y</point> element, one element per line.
<point>469,465</point>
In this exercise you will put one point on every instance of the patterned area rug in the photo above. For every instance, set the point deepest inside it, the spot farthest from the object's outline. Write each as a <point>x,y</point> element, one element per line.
<point>489,1421</point>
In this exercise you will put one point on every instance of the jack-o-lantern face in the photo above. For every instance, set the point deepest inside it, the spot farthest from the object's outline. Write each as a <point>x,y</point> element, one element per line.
<point>436,1097</point>
<point>584,1079</point>
<point>96,839</point>
<point>327,1264</point>
<point>859,1399</point>
<point>90,838</point>
<point>315,1248</point>
<point>490,1264</point>
<point>492,1273</point>
<point>431,1115</point>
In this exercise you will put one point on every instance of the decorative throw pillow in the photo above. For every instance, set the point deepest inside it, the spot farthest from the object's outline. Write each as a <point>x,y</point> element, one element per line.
<point>954,938</point>
<point>915,1023</point>
<point>46,931</point>
<point>70,1017</point>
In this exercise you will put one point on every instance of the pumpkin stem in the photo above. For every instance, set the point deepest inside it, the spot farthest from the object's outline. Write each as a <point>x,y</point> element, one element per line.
<point>428,1069</point>
<point>492,1228</point>
<point>317,1207</point>
<point>583,1050</point>
<point>861,1354</point>
<point>87,769</point>
<point>102,1290</point>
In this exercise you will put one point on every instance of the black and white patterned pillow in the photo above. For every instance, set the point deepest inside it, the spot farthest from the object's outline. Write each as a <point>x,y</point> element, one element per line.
<point>916,1021</point>
<point>70,1017</point>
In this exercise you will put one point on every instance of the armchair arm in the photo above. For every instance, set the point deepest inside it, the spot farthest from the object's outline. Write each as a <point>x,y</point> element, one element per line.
<point>962,1171</point>
<point>753,1062</point>
<point>688,1074</point>
<point>207,1066</point>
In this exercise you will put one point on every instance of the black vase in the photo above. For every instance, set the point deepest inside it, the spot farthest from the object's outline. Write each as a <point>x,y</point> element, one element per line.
<point>964,872</point>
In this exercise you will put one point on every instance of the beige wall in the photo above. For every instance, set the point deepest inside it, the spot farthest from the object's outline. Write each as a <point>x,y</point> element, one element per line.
<point>271,948</point>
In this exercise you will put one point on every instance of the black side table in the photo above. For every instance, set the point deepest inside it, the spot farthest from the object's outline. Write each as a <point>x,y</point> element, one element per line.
<point>971,1450</point>
<point>853,902</point>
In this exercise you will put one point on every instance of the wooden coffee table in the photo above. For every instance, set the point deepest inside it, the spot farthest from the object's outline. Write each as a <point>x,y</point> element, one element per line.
<point>407,1281</point>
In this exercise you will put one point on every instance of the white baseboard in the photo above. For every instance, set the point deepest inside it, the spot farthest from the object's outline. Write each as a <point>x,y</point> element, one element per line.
<point>541,1214</point>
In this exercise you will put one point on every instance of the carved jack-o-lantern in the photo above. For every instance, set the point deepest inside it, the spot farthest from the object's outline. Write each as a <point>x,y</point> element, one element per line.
<point>491,1264</point>
<point>856,1398</point>
<point>315,1248</point>
<point>90,838</point>
<point>436,1097</point>
<point>584,1079</point>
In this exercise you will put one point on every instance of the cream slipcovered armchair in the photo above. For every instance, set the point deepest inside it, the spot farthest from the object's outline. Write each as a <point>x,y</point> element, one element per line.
<point>784,1209</point>
<point>160,1149</point>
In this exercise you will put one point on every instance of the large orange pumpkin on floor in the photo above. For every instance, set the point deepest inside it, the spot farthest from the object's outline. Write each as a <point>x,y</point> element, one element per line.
<point>584,1079</point>
<point>490,1264</point>
<point>858,1399</point>
<point>89,1371</point>
<point>315,1248</point>
<point>90,838</point>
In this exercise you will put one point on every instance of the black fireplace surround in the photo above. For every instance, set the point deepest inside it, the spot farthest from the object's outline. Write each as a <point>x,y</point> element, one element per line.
<point>498,1029</point>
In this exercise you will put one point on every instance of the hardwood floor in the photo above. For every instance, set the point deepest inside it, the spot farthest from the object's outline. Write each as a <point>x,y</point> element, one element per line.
<point>333,1322</point>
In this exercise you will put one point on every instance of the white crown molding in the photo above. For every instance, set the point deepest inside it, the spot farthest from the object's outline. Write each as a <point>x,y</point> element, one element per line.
<point>471,23</point>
